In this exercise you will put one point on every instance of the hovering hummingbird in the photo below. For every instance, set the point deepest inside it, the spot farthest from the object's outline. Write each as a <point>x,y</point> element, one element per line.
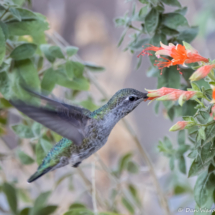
<point>84,132</point>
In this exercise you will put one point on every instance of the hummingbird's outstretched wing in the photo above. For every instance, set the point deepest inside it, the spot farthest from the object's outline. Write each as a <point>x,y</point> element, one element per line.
<point>67,120</point>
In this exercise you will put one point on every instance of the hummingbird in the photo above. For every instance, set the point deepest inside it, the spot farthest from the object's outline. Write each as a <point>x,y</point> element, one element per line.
<point>84,132</point>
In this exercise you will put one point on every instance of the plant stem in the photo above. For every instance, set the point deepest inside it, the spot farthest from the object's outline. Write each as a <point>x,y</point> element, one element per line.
<point>94,189</point>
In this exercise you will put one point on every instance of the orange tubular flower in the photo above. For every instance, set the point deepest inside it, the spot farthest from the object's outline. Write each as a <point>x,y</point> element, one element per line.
<point>213,94</point>
<point>201,72</point>
<point>166,94</point>
<point>179,54</point>
<point>153,94</point>
<point>181,125</point>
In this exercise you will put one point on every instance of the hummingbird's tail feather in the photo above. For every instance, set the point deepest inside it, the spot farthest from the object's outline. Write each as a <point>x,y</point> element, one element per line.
<point>38,174</point>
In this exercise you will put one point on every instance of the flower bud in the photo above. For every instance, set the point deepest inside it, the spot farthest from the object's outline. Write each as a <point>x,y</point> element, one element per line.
<point>201,72</point>
<point>181,125</point>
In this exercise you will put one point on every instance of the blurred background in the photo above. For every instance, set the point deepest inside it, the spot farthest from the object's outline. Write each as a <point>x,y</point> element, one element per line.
<point>89,25</point>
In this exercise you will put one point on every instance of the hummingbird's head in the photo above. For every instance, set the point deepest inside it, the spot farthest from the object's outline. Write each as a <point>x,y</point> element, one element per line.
<point>125,100</point>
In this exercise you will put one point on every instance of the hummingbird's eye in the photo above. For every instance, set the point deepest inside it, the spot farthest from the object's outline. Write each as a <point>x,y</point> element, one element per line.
<point>131,98</point>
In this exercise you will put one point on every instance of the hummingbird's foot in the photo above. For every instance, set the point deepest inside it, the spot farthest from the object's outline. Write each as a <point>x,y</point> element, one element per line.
<point>76,164</point>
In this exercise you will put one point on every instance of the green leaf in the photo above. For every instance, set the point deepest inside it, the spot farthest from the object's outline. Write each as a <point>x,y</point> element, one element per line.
<point>78,69</point>
<point>168,31</point>
<point>23,51</point>
<point>182,164</point>
<point>28,72</point>
<point>207,151</point>
<point>40,203</point>
<point>77,205</point>
<point>157,38</point>
<point>24,158</point>
<point>75,84</point>
<point>154,2</point>
<point>23,131</point>
<point>122,38</point>
<point>134,193</point>
<point>169,78</point>
<point>138,44</point>
<point>196,167</point>
<point>128,205</point>
<point>201,192</point>
<point>2,45</point>
<point>46,145</point>
<point>45,49</point>
<point>120,21</point>
<point>25,211</point>
<point>144,1</point>
<point>203,117</point>
<point>56,52</point>
<point>188,34</point>
<point>174,20</point>
<point>181,137</point>
<point>50,209</point>
<point>5,88</point>
<point>71,50</point>
<point>151,20</point>
<point>182,11</point>
<point>23,195</point>
<point>123,162</point>
<point>89,104</point>
<point>188,109</point>
<point>172,3</point>
<point>171,163</point>
<point>27,27</point>
<point>92,67</point>
<point>49,80</point>
<point>40,154</point>
<point>11,196</point>
<point>211,168</point>
<point>79,211</point>
<point>15,13</point>
<point>167,142</point>
<point>132,167</point>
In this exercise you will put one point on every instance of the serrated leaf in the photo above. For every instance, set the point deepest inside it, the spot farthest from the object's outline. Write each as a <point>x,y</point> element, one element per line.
<point>134,193</point>
<point>23,51</point>
<point>151,20</point>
